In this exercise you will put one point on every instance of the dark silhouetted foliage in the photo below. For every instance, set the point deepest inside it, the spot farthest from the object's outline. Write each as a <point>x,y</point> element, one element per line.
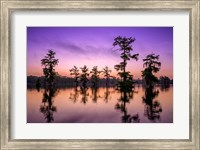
<point>95,76</point>
<point>164,80</point>
<point>84,76</point>
<point>152,65</point>
<point>125,45</point>
<point>106,73</point>
<point>75,72</point>
<point>47,107</point>
<point>85,95</point>
<point>38,84</point>
<point>121,105</point>
<point>49,62</point>
<point>152,107</point>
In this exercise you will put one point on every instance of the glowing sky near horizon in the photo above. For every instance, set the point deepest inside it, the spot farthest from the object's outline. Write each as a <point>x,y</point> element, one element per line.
<point>92,46</point>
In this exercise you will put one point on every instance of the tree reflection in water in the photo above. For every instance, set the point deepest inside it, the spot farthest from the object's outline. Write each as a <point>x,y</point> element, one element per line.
<point>85,95</point>
<point>75,95</point>
<point>95,94</point>
<point>107,94</point>
<point>165,87</point>
<point>152,108</point>
<point>47,107</point>
<point>121,105</point>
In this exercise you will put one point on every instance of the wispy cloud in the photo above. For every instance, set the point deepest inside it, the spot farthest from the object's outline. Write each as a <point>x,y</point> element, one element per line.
<point>69,47</point>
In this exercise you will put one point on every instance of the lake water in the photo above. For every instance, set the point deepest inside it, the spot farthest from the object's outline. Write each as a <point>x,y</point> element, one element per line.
<point>102,105</point>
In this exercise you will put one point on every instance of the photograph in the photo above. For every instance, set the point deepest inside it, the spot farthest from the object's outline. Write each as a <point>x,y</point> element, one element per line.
<point>99,74</point>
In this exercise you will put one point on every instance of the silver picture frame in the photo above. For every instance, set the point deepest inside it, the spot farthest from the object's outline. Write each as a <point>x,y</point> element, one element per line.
<point>10,6</point>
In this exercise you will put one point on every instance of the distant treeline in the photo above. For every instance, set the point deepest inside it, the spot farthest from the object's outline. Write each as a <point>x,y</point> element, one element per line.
<point>63,81</point>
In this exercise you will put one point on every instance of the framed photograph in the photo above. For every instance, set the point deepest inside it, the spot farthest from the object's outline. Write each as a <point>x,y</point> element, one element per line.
<point>100,74</point>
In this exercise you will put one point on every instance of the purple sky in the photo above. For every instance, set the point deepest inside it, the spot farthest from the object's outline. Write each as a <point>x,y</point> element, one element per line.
<point>92,46</point>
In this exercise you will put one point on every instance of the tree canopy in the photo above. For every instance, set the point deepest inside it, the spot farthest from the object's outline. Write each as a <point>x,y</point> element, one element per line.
<point>151,65</point>
<point>125,47</point>
<point>49,62</point>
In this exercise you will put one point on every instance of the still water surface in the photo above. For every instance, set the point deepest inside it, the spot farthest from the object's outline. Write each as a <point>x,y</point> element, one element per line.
<point>102,105</point>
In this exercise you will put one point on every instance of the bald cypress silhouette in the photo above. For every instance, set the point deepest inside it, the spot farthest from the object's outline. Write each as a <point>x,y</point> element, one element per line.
<point>95,76</point>
<point>125,84</point>
<point>152,65</point>
<point>84,76</point>
<point>75,72</point>
<point>125,47</point>
<point>49,62</point>
<point>106,73</point>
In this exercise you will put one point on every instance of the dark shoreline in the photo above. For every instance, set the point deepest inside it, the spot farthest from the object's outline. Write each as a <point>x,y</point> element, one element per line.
<point>68,82</point>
